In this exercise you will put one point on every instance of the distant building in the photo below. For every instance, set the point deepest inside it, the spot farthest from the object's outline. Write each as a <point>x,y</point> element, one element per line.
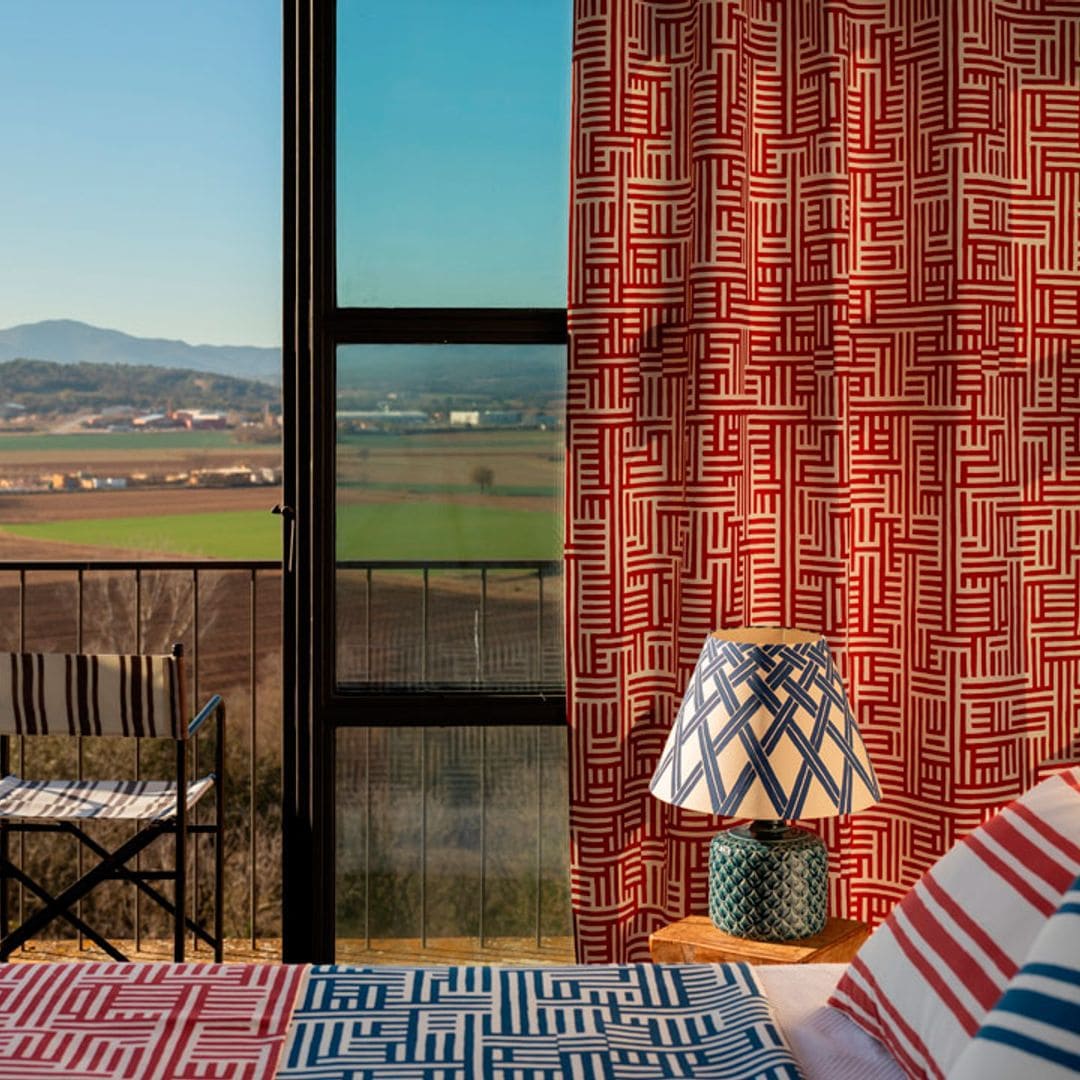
<point>155,421</point>
<point>206,422</point>
<point>496,418</point>
<point>484,418</point>
<point>19,485</point>
<point>382,417</point>
<point>196,420</point>
<point>231,476</point>
<point>103,483</point>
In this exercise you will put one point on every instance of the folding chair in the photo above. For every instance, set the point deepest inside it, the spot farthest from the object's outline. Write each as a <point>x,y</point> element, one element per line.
<point>140,696</point>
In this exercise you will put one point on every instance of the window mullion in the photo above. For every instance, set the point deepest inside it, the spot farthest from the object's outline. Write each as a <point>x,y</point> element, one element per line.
<point>438,326</point>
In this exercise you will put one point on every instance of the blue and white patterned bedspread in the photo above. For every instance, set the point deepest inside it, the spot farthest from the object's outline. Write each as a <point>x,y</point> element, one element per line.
<point>640,1021</point>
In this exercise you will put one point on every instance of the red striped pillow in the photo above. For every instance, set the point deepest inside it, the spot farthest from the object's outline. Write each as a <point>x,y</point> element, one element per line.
<point>932,971</point>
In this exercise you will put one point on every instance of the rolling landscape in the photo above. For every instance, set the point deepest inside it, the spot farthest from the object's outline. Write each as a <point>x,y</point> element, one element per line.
<point>96,460</point>
<point>441,454</point>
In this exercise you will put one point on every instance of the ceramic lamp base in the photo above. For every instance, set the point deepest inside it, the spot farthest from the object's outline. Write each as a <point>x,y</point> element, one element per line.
<point>768,882</point>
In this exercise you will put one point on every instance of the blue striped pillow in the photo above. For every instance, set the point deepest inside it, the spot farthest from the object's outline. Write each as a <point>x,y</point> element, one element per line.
<point>1034,1030</point>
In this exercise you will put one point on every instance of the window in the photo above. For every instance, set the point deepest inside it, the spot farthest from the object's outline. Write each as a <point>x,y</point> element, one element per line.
<point>428,470</point>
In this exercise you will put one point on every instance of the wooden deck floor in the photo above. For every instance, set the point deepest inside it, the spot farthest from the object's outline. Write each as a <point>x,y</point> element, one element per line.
<point>410,951</point>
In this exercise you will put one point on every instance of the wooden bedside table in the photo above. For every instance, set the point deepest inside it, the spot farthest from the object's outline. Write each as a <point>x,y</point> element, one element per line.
<point>694,940</point>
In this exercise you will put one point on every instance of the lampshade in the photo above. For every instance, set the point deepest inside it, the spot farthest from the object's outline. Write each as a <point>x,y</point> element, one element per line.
<point>765,731</point>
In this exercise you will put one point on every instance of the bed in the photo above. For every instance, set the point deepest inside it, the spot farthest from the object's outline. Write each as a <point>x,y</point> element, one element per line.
<point>157,1021</point>
<point>974,975</point>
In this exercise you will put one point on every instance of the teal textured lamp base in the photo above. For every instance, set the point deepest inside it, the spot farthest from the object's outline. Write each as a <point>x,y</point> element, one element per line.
<point>768,882</point>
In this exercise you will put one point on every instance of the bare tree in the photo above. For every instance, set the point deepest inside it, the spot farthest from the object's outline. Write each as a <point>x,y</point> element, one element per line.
<point>483,476</point>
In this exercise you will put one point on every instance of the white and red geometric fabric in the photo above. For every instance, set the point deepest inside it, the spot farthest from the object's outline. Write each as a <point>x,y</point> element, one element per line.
<point>824,372</point>
<point>145,1021</point>
<point>928,978</point>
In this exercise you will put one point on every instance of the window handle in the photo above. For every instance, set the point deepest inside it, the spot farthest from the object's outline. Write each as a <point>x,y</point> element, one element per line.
<point>289,517</point>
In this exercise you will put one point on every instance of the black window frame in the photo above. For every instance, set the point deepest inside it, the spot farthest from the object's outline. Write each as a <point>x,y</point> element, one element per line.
<point>314,327</point>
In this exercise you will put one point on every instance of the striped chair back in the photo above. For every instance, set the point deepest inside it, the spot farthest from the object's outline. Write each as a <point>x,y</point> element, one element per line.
<point>73,694</point>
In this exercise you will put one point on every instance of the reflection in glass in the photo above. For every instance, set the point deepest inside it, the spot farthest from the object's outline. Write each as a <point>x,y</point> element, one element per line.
<point>453,835</point>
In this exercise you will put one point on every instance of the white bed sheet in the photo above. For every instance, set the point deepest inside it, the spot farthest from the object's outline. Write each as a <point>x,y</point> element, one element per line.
<point>826,1044</point>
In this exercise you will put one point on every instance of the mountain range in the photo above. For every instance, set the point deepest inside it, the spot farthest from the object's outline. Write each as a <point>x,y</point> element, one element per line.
<point>65,341</point>
<point>459,375</point>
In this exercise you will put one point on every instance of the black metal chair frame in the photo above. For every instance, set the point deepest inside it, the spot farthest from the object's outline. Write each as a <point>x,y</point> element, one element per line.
<point>113,865</point>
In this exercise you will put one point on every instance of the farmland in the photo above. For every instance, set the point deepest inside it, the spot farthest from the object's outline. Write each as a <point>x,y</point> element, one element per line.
<point>398,497</point>
<point>230,534</point>
<point>390,530</point>
<point>25,447</point>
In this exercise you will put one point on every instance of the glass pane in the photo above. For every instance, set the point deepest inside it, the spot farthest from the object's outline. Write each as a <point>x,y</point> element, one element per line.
<point>452,842</point>
<point>450,454</point>
<point>453,153</point>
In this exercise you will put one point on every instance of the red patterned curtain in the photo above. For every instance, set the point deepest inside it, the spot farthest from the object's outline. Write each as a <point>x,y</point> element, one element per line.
<point>825,372</point>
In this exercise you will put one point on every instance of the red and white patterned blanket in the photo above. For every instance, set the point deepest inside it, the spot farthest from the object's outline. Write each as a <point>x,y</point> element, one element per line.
<point>144,1021</point>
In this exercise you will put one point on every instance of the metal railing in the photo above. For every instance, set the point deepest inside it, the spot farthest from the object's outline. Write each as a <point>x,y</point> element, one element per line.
<point>144,606</point>
<point>494,624</point>
<point>228,616</point>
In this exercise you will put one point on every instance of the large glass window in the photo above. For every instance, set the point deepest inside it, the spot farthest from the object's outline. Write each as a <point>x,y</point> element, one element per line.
<point>443,659</point>
<point>140,401</point>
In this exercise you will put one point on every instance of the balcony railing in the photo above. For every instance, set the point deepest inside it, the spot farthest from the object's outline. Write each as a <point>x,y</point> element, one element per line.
<point>408,881</point>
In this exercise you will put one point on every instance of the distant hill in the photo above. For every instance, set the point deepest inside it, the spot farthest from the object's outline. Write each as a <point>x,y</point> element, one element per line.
<point>457,376</point>
<point>418,376</point>
<point>64,341</point>
<point>42,386</point>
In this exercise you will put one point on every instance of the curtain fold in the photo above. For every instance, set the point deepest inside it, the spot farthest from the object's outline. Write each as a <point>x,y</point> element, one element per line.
<point>824,372</point>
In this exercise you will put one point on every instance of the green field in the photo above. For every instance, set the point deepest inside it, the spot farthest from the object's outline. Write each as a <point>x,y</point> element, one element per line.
<point>504,441</point>
<point>407,531</point>
<point>533,491</point>
<point>241,534</point>
<point>446,531</point>
<point>133,441</point>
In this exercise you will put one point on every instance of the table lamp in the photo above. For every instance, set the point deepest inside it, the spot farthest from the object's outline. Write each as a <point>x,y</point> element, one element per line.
<point>765,732</point>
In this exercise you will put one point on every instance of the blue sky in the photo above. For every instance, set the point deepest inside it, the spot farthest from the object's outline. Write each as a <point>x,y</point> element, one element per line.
<point>140,179</point>
<point>453,152</point>
<point>140,176</point>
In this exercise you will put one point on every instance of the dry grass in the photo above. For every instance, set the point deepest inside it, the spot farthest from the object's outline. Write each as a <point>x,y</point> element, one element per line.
<point>411,951</point>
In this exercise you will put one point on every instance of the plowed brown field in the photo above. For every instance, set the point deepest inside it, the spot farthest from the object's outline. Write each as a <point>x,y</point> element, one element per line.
<point>136,502</point>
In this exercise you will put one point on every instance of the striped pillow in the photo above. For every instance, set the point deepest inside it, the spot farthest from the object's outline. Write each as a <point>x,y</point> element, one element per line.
<point>930,974</point>
<point>1034,1030</point>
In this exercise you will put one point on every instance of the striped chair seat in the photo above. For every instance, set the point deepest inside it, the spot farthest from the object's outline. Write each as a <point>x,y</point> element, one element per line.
<point>78,800</point>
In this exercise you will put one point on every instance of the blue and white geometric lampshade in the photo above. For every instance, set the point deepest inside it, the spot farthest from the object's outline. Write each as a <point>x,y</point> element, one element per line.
<point>765,731</point>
